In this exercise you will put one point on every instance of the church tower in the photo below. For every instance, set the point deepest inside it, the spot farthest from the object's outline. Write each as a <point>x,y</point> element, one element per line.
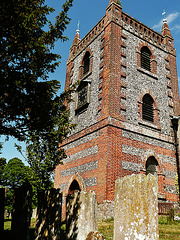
<point>123,107</point>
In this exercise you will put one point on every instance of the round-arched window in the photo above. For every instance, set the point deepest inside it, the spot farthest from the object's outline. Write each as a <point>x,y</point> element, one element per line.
<point>147,108</point>
<point>146,58</point>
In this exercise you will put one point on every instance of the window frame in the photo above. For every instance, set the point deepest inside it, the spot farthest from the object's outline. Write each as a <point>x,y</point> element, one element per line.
<point>148,108</point>
<point>146,58</point>
<point>86,63</point>
<point>82,106</point>
<point>89,60</point>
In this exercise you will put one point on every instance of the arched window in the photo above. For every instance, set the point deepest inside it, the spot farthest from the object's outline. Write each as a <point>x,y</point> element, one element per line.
<point>86,63</point>
<point>151,166</point>
<point>146,58</point>
<point>147,108</point>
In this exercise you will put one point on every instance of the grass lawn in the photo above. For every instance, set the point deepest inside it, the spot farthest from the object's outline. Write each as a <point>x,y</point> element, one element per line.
<point>166,231</point>
<point>171,231</point>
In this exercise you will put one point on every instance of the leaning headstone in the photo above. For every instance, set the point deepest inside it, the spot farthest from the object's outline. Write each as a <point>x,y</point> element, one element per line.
<point>2,199</point>
<point>49,209</point>
<point>95,236</point>
<point>136,208</point>
<point>81,215</point>
<point>21,216</point>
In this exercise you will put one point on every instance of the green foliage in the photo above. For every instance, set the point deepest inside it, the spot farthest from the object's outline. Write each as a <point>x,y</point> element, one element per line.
<point>176,183</point>
<point>28,100</point>
<point>170,218</point>
<point>42,151</point>
<point>14,173</point>
<point>2,166</point>
<point>119,2</point>
<point>32,109</point>
<point>9,200</point>
<point>167,219</point>
<point>163,219</point>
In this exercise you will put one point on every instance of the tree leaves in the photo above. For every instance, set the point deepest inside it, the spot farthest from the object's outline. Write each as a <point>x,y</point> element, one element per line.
<point>14,173</point>
<point>31,108</point>
<point>26,97</point>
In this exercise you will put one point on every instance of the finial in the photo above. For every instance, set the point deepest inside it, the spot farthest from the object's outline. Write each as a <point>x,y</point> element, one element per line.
<point>78,27</point>
<point>164,14</point>
<point>115,1</point>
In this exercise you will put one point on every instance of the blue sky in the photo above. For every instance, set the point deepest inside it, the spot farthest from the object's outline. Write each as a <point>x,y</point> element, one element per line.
<point>89,12</point>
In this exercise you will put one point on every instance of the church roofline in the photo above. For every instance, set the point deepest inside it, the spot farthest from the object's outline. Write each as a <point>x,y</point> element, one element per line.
<point>137,21</point>
<point>97,29</point>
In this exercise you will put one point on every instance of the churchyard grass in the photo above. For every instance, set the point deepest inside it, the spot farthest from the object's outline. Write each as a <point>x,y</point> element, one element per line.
<point>106,228</point>
<point>7,224</point>
<point>167,231</point>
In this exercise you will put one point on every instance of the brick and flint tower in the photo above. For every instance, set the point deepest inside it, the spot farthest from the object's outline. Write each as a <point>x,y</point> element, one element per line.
<point>127,96</point>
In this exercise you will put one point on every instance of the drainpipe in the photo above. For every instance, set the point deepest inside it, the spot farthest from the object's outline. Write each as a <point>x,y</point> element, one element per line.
<point>175,121</point>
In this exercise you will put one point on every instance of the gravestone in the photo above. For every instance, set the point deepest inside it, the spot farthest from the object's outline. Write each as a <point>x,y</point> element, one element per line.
<point>2,199</point>
<point>95,236</point>
<point>81,215</point>
<point>48,224</point>
<point>136,208</point>
<point>21,216</point>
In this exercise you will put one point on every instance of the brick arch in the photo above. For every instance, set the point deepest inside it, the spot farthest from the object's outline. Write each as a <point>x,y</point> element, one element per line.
<point>160,170</point>
<point>80,181</point>
<point>153,56</point>
<point>87,50</point>
<point>90,65</point>
<point>148,91</point>
<point>151,153</point>
<point>155,106</point>
<point>145,44</point>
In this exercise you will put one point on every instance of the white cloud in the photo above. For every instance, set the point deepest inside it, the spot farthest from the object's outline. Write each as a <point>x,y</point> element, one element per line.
<point>176,27</point>
<point>170,18</point>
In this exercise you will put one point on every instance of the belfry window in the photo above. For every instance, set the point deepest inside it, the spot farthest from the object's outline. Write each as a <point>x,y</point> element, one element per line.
<point>151,166</point>
<point>146,58</point>
<point>82,96</point>
<point>147,108</point>
<point>86,63</point>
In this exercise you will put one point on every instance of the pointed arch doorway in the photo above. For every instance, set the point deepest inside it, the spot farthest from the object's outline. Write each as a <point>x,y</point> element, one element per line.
<point>74,187</point>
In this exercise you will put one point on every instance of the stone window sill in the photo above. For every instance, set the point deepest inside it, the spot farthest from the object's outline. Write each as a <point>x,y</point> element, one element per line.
<point>81,109</point>
<point>86,75</point>
<point>149,125</point>
<point>142,70</point>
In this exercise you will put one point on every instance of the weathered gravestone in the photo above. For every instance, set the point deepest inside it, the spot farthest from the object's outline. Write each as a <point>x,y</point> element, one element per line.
<point>49,209</point>
<point>21,216</point>
<point>81,215</point>
<point>136,208</point>
<point>95,236</point>
<point>2,199</point>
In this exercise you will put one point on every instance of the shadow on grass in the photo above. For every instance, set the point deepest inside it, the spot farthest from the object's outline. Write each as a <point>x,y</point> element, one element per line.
<point>9,235</point>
